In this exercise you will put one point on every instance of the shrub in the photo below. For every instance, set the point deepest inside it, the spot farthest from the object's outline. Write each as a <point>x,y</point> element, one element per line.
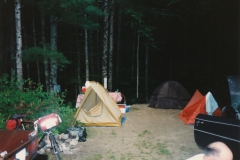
<point>31,101</point>
<point>67,116</point>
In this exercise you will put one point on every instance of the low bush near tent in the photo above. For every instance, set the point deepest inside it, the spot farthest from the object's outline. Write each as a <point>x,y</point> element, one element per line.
<point>31,101</point>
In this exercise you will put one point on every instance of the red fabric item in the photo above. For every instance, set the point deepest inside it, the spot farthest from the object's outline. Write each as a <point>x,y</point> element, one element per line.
<point>11,124</point>
<point>217,112</point>
<point>197,105</point>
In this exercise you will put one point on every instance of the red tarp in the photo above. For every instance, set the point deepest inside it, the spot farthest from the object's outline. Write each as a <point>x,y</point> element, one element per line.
<point>195,106</point>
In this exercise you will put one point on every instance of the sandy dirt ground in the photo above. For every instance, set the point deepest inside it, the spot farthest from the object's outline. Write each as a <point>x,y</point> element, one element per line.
<point>147,134</point>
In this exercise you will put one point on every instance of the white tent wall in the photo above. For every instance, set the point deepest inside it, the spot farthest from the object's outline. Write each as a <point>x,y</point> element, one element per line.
<point>211,104</point>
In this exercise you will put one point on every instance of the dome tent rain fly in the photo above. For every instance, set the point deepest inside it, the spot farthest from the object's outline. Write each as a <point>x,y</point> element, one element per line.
<point>170,94</point>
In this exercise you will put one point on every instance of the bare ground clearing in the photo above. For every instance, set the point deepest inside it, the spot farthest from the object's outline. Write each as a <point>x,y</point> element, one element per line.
<point>147,134</point>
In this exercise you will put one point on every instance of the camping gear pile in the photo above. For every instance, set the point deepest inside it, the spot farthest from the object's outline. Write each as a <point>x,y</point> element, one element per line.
<point>68,140</point>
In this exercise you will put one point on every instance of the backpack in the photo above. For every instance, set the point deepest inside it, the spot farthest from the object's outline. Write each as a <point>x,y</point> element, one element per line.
<point>81,132</point>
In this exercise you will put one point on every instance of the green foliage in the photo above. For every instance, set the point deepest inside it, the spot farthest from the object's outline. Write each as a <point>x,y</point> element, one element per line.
<point>140,26</point>
<point>2,121</point>
<point>134,14</point>
<point>72,12</point>
<point>145,132</point>
<point>32,102</point>
<point>36,53</point>
<point>67,3</point>
<point>94,10</point>
<point>172,2</point>
<point>67,116</point>
<point>78,123</point>
<point>162,149</point>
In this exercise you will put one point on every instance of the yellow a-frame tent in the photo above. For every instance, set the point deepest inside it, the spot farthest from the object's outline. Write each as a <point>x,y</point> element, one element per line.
<point>98,108</point>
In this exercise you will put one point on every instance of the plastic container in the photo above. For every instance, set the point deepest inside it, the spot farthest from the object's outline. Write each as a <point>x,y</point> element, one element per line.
<point>122,107</point>
<point>49,121</point>
<point>127,108</point>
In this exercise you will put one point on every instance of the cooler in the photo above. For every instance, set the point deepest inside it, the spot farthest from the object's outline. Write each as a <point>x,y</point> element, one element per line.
<point>49,121</point>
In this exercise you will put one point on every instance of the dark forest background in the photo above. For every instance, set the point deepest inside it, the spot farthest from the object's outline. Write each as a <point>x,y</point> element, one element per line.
<point>195,42</point>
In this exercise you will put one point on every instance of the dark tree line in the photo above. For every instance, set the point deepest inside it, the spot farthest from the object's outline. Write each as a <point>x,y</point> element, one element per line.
<point>134,45</point>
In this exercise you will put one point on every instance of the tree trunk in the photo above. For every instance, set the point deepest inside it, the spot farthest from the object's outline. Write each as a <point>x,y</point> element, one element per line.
<point>146,72</point>
<point>118,60</point>
<point>1,38</point>
<point>18,41</point>
<point>91,56</point>
<point>133,57</point>
<point>53,63</point>
<point>98,57</point>
<point>170,64</point>
<point>12,43</point>
<point>239,33</point>
<point>35,43</point>
<point>110,58</point>
<point>45,59</point>
<point>78,67</point>
<point>25,43</point>
<point>86,51</point>
<point>105,45</point>
<point>138,39</point>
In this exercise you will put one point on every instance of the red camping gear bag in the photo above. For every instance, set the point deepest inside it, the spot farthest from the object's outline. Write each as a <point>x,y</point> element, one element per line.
<point>12,124</point>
